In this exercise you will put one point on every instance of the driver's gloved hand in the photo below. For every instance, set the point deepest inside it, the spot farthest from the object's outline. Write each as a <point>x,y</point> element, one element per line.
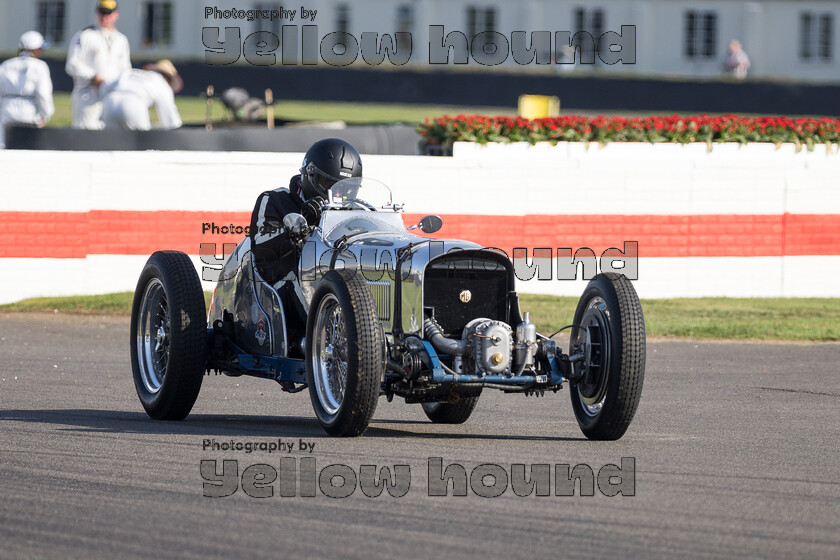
<point>312,210</point>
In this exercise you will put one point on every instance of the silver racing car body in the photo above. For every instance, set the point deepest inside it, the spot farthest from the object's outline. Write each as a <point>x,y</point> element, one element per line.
<point>393,313</point>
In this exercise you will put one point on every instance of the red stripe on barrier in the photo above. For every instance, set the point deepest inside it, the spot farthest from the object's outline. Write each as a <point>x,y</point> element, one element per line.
<point>118,232</point>
<point>61,235</point>
<point>715,235</point>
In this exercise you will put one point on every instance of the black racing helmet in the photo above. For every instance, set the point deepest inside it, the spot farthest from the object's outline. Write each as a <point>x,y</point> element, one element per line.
<point>326,162</point>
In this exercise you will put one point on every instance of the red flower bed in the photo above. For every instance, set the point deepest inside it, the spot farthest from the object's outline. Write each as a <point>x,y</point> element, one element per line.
<point>681,129</point>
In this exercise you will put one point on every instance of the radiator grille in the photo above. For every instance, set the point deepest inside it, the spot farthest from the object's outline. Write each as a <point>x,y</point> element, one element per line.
<point>447,278</point>
<point>381,292</point>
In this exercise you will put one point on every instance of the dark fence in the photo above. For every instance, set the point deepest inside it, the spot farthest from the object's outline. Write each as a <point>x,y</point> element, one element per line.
<point>380,139</point>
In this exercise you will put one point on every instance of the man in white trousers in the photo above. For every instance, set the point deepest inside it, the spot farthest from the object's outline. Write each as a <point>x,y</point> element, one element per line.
<point>25,86</point>
<point>127,100</point>
<point>97,54</point>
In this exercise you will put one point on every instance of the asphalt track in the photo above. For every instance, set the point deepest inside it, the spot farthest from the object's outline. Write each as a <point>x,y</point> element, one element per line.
<point>735,445</point>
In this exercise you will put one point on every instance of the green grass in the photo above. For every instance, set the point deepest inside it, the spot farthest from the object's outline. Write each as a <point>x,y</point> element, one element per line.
<point>193,110</point>
<point>816,319</point>
<point>710,318</point>
<point>108,304</point>
<point>759,318</point>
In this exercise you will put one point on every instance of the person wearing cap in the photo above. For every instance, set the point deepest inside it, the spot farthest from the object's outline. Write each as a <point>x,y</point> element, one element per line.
<point>127,100</point>
<point>97,54</point>
<point>25,86</point>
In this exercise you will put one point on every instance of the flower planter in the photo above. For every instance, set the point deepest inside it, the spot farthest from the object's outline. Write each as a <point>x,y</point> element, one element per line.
<point>802,133</point>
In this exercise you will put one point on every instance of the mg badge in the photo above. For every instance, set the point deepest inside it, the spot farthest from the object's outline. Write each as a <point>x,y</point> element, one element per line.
<point>261,335</point>
<point>465,296</point>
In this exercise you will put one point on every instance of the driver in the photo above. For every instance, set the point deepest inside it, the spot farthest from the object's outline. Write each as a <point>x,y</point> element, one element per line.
<point>275,254</point>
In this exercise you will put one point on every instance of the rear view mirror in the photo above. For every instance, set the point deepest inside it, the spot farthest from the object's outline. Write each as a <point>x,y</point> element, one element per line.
<point>430,223</point>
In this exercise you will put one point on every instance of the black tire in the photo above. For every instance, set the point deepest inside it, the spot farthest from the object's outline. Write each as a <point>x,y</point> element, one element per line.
<point>448,413</point>
<point>611,312</point>
<point>168,336</point>
<point>345,354</point>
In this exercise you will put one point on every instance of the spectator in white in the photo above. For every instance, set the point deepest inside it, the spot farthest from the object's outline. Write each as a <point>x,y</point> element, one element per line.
<point>97,54</point>
<point>737,62</point>
<point>25,86</point>
<point>127,100</point>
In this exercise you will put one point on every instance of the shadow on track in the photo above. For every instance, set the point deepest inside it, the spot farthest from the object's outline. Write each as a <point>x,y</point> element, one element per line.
<point>110,421</point>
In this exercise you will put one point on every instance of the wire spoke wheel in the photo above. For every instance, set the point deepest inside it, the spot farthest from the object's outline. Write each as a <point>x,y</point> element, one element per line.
<point>153,336</point>
<point>345,361</point>
<point>330,356</point>
<point>168,336</point>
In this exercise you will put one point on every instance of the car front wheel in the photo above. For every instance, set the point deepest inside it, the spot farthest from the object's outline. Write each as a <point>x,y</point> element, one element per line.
<point>610,331</point>
<point>344,354</point>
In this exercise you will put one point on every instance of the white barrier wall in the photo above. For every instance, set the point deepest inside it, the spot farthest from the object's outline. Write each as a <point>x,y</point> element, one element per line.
<point>739,221</point>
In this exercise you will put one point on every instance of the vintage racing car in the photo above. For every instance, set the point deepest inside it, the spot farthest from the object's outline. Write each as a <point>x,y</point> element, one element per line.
<point>433,321</point>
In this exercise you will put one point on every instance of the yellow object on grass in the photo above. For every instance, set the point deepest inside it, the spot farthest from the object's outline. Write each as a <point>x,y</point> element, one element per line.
<point>539,106</point>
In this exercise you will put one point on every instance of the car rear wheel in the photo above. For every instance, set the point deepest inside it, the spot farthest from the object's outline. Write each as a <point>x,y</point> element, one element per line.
<point>451,413</point>
<point>344,354</point>
<point>168,336</point>
<point>610,331</point>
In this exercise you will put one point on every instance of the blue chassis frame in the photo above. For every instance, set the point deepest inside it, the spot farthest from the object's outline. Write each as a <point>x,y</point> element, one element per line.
<point>293,370</point>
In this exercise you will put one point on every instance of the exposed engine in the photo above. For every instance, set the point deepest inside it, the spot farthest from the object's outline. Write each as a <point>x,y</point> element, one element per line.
<point>490,345</point>
<point>487,346</point>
